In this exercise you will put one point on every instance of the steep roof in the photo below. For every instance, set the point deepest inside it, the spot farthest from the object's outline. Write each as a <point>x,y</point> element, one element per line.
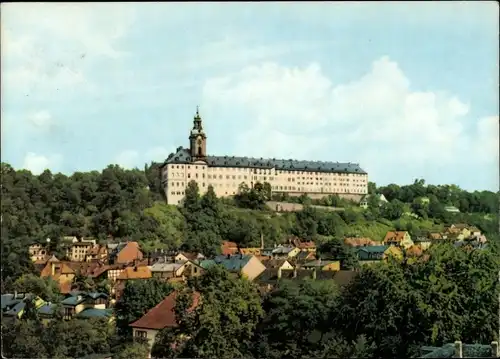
<point>95,313</point>
<point>233,263</point>
<point>274,263</point>
<point>183,156</point>
<point>359,241</point>
<point>373,249</point>
<point>317,263</point>
<point>166,267</point>
<point>397,236</point>
<point>135,272</point>
<point>163,314</point>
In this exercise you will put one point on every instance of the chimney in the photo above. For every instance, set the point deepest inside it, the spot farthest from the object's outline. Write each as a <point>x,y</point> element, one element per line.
<point>279,273</point>
<point>261,240</point>
<point>228,256</point>
<point>495,353</point>
<point>295,272</point>
<point>15,294</point>
<point>314,273</point>
<point>458,349</point>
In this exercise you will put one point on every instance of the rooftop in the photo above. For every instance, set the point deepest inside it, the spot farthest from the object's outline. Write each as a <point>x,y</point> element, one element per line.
<point>163,314</point>
<point>183,156</point>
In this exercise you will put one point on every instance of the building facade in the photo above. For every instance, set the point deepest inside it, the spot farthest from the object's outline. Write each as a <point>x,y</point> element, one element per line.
<point>226,173</point>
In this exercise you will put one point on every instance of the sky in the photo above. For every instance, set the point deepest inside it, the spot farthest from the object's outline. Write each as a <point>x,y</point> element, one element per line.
<point>407,90</point>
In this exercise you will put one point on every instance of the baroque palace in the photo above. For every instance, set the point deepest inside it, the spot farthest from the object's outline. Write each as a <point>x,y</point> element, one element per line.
<point>226,173</point>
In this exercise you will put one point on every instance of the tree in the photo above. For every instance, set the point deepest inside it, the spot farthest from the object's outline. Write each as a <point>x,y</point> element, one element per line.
<point>134,349</point>
<point>297,317</point>
<point>192,197</point>
<point>223,324</point>
<point>337,250</point>
<point>45,288</point>
<point>138,297</point>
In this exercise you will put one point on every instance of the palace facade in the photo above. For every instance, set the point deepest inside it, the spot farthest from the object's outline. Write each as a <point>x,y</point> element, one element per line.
<point>226,173</point>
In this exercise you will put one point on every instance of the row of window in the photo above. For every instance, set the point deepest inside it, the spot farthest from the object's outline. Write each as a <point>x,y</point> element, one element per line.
<point>264,171</point>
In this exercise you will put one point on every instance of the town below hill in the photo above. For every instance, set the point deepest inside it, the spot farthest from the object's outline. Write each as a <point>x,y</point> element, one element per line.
<point>103,253</point>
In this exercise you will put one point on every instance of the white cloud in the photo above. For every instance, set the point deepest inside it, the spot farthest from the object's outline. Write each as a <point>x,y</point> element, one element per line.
<point>377,120</point>
<point>487,139</point>
<point>127,159</point>
<point>41,119</point>
<point>78,33</point>
<point>38,163</point>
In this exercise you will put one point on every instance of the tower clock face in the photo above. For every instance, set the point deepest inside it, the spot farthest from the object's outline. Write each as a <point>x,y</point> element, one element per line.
<point>199,141</point>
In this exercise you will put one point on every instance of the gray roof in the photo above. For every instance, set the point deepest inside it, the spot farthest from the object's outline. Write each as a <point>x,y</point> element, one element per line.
<point>166,267</point>
<point>283,249</point>
<point>183,156</point>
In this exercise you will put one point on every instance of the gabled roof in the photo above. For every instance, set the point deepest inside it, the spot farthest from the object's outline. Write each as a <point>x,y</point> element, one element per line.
<point>233,263</point>
<point>135,272</point>
<point>373,249</point>
<point>53,259</point>
<point>274,263</point>
<point>166,267</point>
<point>95,313</point>
<point>397,236</point>
<point>317,263</point>
<point>283,249</point>
<point>163,314</point>
<point>183,156</point>
<point>359,241</point>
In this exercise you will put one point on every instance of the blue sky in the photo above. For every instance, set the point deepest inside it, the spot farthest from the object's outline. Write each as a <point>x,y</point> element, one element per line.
<point>407,90</point>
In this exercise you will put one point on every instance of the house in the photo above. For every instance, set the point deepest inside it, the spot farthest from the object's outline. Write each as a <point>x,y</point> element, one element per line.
<point>78,251</point>
<point>285,251</point>
<point>322,265</point>
<point>364,201</point>
<point>10,300</point>
<point>373,254</point>
<point>172,271</point>
<point>303,246</point>
<point>398,238</point>
<point>106,271</point>
<point>125,253</point>
<point>160,317</point>
<point>60,272</point>
<point>229,248</point>
<point>17,311</point>
<point>304,256</point>
<point>459,350</point>
<point>97,253</point>
<point>423,242</point>
<point>248,266</point>
<point>185,256</point>
<point>414,251</point>
<point>435,236</point>
<point>461,231</point>
<point>278,263</point>
<point>359,241</point>
<point>76,302</point>
<point>38,252</point>
<point>46,312</point>
<point>250,251</point>
<point>474,231</point>
<point>134,272</point>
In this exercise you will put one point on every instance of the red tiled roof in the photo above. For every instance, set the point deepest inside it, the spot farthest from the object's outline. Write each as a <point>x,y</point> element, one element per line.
<point>357,242</point>
<point>395,236</point>
<point>135,272</point>
<point>163,314</point>
<point>229,248</point>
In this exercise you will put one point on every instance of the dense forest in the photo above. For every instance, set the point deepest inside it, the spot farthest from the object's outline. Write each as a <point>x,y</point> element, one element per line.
<point>121,204</point>
<point>390,309</point>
